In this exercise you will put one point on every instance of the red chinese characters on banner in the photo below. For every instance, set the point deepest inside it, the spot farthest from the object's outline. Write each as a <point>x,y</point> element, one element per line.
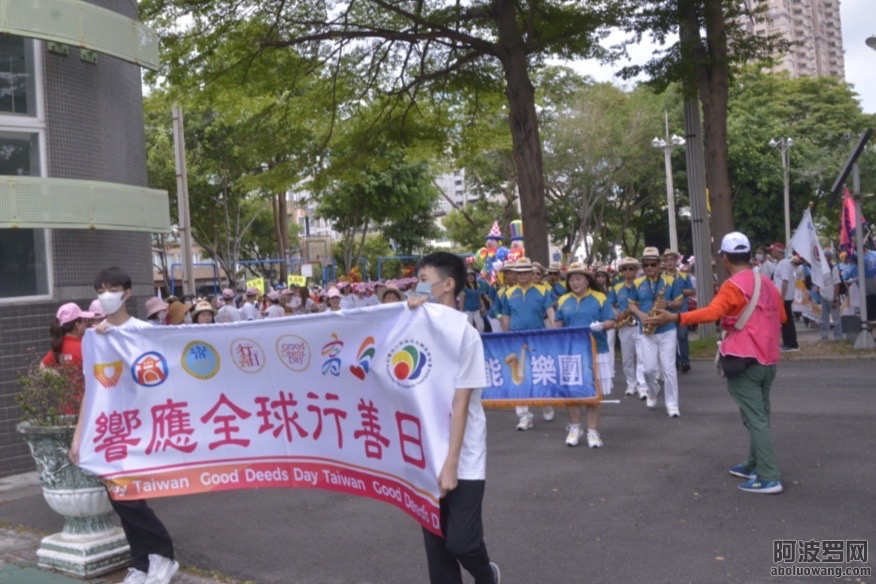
<point>171,428</point>
<point>337,413</point>
<point>114,433</point>
<point>375,442</point>
<point>281,410</point>
<point>224,422</point>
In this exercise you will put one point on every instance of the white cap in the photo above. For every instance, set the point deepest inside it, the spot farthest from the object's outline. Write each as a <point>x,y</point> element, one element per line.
<point>735,242</point>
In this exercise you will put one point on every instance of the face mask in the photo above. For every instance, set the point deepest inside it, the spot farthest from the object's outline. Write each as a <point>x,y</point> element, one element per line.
<point>758,257</point>
<point>425,289</point>
<point>111,302</point>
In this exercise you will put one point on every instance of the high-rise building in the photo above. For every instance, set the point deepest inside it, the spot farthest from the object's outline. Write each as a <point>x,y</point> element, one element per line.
<point>814,28</point>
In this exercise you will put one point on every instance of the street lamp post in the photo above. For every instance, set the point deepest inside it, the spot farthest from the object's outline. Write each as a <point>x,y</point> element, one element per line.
<point>667,145</point>
<point>783,145</point>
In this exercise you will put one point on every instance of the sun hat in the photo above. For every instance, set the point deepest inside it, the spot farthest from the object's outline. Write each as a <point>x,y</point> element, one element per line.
<point>669,251</point>
<point>650,253</point>
<point>70,312</point>
<point>628,261</point>
<point>579,268</point>
<point>334,293</point>
<point>389,289</point>
<point>154,305</point>
<point>521,265</point>
<point>228,293</point>
<point>252,291</point>
<point>202,306</point>
<point>274,296</point>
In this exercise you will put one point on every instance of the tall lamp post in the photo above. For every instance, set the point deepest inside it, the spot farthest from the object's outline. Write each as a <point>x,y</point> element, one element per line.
<point>666,145</point>
<point>783,145</point>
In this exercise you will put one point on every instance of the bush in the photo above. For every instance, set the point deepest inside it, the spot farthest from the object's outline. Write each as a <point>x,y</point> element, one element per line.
<point>51,396</point>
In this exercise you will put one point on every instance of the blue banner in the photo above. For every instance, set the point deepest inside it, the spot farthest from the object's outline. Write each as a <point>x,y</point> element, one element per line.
<point>540,367</point>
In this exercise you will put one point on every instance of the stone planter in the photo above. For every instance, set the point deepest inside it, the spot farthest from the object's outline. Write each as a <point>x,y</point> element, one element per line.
<point>89,544</point>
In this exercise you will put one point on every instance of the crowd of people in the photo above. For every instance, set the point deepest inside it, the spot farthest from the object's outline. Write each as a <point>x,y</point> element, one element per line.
<point>644,306</point>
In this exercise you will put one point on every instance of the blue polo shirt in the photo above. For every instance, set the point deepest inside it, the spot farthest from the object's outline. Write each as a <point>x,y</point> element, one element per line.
<point>686,283</point>
<point>647,291</point>
<point>471,299</point>
<point>622,294</point>
<point>527,309</point>
<point>583,311</point>
<point>559,290</point>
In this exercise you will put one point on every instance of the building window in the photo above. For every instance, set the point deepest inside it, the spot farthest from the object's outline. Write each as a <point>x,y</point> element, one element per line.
<point>24,253</point>
<point>17,76</point>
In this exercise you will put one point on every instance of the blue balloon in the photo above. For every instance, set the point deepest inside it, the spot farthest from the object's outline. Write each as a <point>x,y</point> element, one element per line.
<point>501,253</point>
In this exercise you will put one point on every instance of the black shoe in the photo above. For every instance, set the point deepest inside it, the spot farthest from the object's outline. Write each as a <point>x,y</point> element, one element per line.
<point>685,368</point>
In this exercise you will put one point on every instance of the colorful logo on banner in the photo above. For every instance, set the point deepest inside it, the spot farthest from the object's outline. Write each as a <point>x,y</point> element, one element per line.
<point>409,363</point>
<point>366,353</point>
<point>248,355</point>
<point>108,374</point>
<point>549,365</point>
<point>150,369</point>
<point>294,352</point>
<point>200,360</point>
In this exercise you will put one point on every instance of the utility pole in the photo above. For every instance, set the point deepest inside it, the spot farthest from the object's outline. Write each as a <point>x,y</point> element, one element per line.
<point>182,196</point>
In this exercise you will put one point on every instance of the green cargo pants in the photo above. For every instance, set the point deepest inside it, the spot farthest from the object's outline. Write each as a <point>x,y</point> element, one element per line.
<point>751,390</point>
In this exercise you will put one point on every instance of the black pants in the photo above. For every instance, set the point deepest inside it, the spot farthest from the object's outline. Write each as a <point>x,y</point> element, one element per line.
<point>463,526</point>
<point>789,329</point>
<point>145,532</point>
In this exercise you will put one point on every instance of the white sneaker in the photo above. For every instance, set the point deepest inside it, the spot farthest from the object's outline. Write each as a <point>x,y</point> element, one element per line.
<point>525,423</point>
<point>631,390</point>
<point>651,403</point>
<point>135,576</point>
<point>643,392</point>
<point>673,412</point>
<point>593,439</point>
<point>161,569</point>
<point>574,434</point>
<point>548,413</point>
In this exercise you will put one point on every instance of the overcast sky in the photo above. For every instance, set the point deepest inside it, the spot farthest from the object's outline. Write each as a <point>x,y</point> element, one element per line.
<point>858,23</point>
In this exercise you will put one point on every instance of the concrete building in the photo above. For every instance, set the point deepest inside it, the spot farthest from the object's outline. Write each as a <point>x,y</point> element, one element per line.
<point>73,196</point>
<point>815,28</point>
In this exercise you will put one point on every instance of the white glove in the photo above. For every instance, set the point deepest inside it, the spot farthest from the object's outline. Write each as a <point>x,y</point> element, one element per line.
<point>597,326</point>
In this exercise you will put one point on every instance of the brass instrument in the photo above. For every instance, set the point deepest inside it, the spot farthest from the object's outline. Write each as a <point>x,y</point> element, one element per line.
<point>647,328</point>
<point>625,318</point>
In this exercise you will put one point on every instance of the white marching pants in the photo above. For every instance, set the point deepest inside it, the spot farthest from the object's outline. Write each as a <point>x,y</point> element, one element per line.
<point>658,352</point>
<point>631,353</point>
<point>475,319</point>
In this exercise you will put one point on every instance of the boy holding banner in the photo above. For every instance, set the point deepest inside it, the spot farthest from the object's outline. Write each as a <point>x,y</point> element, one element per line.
<point>463,475</point>
<point>151,546</point>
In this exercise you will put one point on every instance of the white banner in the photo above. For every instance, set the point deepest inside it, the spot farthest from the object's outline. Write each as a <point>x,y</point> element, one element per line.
<point>805,242</point>
<point>357,401</point>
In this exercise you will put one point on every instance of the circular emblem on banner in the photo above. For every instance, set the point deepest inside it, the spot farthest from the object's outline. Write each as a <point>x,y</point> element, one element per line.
<point>200,360</point>
<point>294,352</point>
<point>248,355</point>
<point>409,363</point>
<point>149,369</point>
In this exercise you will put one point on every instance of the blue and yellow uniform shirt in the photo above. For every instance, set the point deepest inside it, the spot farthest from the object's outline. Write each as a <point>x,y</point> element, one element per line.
<point>646,292</point>
<point>526,308</point>
<point>559,290</point>
<point>622,294</point>
<point>584,311</point>
<point>471,299</point>
<point>495,295</point>
<point>686,283</point>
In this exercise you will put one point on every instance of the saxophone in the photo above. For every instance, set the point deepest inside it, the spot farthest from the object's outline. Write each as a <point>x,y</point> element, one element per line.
<point>625,318</point>
<point>647,328</point>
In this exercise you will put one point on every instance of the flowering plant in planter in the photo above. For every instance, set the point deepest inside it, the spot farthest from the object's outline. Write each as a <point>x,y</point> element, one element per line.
<point>50,396</point>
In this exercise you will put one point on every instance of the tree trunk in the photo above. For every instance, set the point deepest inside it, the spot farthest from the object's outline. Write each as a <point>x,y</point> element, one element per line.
<point>523,123</point>
<point>713,82</point>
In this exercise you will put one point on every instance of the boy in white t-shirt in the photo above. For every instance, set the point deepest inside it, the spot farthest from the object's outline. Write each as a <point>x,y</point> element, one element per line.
<point>463,475</point>
<point>151,545</point>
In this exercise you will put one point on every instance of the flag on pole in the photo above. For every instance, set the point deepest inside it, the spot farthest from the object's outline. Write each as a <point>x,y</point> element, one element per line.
<point>847,223</point>
<point>805,243</point>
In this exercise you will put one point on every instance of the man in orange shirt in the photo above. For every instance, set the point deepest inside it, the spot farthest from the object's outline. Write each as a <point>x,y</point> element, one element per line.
<point>750,355</point>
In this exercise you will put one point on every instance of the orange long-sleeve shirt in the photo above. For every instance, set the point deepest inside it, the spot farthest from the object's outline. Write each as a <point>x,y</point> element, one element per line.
<point>729,301</point>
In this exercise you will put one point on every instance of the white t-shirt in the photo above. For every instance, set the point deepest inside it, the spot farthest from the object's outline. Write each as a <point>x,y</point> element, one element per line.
<point>831,279</point>
<point>785,271</point>
<point>134,323</point>
<point>472,375</point>
<point>228,313</point>
<point>275,311</point>
<point>249,312</point>
<point>348,301</point>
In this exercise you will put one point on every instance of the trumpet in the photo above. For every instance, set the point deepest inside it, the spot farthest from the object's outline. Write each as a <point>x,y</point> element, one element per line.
<point>649,328</point>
